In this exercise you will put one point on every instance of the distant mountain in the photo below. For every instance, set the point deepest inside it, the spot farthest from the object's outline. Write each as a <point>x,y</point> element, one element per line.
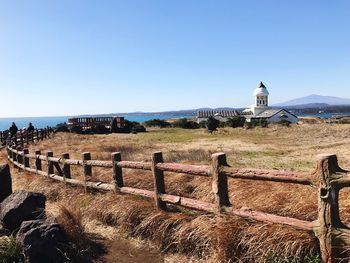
<point>308,106</point>
<point>190,112</point>
<point>315,101</point>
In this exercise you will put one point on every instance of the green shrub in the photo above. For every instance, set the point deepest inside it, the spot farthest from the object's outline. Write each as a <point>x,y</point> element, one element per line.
<point>76,129</point>
<point>61,127</point>
<point>285,123</point>
<point>9,251</point>
<point>99,129</point>
<point>185,124</point>
<point>131,124</point>
<point>157,123</point>
<point>308,258</point>
<point>236,121</point>
<point>259,123</point>
<point>203,124</point>
<point>222,124</point>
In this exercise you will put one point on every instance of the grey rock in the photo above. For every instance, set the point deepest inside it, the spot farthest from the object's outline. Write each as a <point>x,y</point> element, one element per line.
<point>21,206</point>
<point>4,231</point>
<point>42,241</point>
<point>5,182</point>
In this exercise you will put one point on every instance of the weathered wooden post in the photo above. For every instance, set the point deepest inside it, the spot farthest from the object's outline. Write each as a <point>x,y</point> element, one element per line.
<point>22,140</point>
<point>16,139</point>
<point>38,165</point>
<point>9,155</point>
<point>49,163</point>
<point>25,158</point>
<point>117,171</point>
<point>14,155</point>
<point>328,208</point>
<point>66,167</point>
<point>41,134</point>
<point>87,168</point>
<point>158,179</point>
<point>19,156</point>
<point>219,181</point>
<point>37,135</point>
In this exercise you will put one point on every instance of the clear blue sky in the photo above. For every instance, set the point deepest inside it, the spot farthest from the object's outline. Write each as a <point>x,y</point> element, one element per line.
<point>68,57</point>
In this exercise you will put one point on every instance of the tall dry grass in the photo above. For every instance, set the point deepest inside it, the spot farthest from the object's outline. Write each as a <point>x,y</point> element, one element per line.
<point>197,234</point>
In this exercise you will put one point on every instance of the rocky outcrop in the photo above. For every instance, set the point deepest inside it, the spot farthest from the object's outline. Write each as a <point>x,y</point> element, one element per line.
<point>22,213</point>
<point>5,182</point>
<point>21,206</point>
<point>42,241</point>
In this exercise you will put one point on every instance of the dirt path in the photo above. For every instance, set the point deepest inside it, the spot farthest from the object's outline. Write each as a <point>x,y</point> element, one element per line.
<point>121,250</point>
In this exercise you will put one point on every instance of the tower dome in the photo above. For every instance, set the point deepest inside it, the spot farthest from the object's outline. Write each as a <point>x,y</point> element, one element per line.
<point>261,90</point>
<point>261,96</point>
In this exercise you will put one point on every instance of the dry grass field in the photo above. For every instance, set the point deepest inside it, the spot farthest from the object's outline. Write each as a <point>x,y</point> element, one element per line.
<point>184,235</point>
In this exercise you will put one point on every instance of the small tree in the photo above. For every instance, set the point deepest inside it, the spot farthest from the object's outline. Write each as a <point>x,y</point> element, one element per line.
<point>212,124</point>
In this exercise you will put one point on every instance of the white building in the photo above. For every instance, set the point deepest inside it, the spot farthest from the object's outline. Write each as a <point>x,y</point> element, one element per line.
<point>259,110</point>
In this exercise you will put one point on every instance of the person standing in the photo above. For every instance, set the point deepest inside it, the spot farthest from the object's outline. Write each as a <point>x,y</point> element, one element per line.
<point>13,129</point>
<point>30,128</point>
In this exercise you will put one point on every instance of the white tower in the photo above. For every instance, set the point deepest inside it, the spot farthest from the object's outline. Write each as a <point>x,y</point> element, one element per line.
<point>261,96</point>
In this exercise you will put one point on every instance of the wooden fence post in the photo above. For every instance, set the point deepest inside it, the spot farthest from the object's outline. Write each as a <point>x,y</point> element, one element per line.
<point>49,163</point>
<point>25,159</point>
<point>14,155</point>
<point>41,135</point>
<point>328,207</point>
<point>38,165</point>
<point>87,168</point>
<point>22,140</point>
<point>66,167</point>
<point>19,157</point>
<point>117,171</point>
<point>37,135</point>
<point>219,181</point>
<point>158,179</point>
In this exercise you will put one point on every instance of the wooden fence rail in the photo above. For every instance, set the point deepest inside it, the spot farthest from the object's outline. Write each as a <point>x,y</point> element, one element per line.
<point>23,137</point>
<point>328,178</point>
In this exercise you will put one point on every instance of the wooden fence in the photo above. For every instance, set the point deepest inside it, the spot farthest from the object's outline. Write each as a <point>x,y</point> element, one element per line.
<point>23,137</point>
<point>328,177</point>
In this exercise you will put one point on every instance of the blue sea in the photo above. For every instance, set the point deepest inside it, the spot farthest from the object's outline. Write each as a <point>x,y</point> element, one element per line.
<point>42,122</point>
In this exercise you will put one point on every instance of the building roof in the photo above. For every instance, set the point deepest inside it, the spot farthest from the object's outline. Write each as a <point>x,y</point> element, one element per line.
<point>223,113</point>
<point>272,112</point>
<point>261,90</point>
<point>261,85</point>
